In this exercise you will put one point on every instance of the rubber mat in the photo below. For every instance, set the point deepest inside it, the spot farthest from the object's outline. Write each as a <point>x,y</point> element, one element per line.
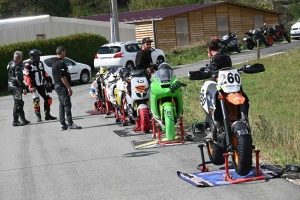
<point>152,143</point>
<point>215,178</point>
<point>129,132</point>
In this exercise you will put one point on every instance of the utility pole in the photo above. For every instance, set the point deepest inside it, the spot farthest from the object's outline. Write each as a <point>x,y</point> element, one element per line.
<point>112,27</point>
<point>114,13</point>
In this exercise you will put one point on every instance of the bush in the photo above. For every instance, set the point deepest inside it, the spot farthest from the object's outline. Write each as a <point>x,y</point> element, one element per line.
<point>80,47</point>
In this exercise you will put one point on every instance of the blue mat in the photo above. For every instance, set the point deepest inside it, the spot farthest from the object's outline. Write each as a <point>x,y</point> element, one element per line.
<point>215,178</point>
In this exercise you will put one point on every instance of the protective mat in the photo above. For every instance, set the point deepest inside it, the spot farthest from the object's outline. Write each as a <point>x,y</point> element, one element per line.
<point>215,178</point>
<point>152,143</point>
<point>129,132</point>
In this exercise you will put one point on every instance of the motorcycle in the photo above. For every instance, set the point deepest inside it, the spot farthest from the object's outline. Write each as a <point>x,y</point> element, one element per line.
<point>226,107</point>
<point>228,43</point>
<point>251,38</point>
<point>166,101</point>
<point>136,101</point>
<point>277,33</point>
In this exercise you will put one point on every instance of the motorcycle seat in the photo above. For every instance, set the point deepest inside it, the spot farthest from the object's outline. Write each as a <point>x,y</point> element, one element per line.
<point>137,73</point>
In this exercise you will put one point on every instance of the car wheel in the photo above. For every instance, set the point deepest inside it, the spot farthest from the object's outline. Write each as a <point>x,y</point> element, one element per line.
<point>84,76</point>
<point>129,65</point>
<point>160,60</point>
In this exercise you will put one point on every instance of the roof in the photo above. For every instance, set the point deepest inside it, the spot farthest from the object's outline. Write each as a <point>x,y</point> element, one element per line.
<point>21,19</point>
<point>160,13</point>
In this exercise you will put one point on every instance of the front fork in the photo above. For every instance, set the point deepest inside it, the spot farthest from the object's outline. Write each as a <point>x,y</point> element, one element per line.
<point>226,122</point>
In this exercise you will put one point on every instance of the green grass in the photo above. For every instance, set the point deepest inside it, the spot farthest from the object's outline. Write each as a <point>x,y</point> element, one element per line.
<point>274,111</point>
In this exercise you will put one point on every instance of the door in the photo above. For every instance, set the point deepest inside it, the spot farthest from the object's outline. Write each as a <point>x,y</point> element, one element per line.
<point>182,32</point>
<point>73,69</point>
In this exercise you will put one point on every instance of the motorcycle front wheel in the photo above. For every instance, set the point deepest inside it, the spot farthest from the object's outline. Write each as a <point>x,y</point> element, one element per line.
<point>250,45</point>
<point>215,153</point>
<point>242,154</point>
<point>169,122</point>
<point>270,40</point>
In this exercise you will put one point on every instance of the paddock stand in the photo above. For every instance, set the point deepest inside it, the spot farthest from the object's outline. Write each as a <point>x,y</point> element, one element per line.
<point>122,117</point>
<point>227,176</point>
<point>100,106</point>
<point>108,107</point>
<point>157,133</point>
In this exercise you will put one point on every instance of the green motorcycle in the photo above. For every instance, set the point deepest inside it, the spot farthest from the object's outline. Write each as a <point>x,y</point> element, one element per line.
<point>166,101</point>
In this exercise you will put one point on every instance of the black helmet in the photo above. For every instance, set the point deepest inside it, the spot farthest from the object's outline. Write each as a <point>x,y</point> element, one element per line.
<point>35,54</point>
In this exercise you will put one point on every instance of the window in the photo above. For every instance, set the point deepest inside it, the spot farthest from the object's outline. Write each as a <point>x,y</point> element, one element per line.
<point>49,62</point>
<point>109,50</point>
<point>258,21</point>
<point>182,31</point>
<point>132,48</point>
<point>68,62</point>
<point>222,23</point>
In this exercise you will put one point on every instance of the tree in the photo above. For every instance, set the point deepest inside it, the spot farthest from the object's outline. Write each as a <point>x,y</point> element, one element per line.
<point>153,4</point>
<point>89,7</point>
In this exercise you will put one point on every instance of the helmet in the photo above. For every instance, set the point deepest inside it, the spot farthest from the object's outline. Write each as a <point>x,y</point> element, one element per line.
<point>35,54</point>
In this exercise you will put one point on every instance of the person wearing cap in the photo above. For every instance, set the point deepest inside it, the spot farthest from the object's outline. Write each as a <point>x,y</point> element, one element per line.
<point>143,58</point>
<point>16,87</point>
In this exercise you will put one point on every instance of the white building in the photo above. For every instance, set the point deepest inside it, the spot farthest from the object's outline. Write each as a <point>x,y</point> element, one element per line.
<point>22,29</point>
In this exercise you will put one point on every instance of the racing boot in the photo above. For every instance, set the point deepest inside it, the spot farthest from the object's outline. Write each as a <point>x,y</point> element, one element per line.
<point>48,116</point>
<point>38,116</point>
<point>16,121</point>
<point>23,120</point>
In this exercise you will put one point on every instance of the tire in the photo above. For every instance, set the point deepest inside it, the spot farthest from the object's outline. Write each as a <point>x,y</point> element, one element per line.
<point>270,40</point>
<point>84,76</point>
<point>129,65</point>
<point>144,119</point>
<point>242,154</point>
<point>250,45</point>
<point>215,153</point>
<point>169,122</point>
<point>160,59</point>
<point>238,49</point>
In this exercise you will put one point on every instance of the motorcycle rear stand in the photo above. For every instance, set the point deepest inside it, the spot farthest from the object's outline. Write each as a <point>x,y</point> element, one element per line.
<point>101,107</point>
<point>227,176</point>
<point>108,109</point>
<point>157,133</point>
<point>122,117</point>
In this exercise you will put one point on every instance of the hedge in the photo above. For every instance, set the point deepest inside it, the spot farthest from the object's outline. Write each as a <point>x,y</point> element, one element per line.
<point>80,47</point>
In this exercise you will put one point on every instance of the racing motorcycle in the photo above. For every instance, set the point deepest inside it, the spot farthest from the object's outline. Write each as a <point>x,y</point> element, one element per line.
<point>166,100</point>
<point>228,43</point>
<point>136,100</point>
<point>251,38</point>
<point>226,107</point>
<point>277,33</point>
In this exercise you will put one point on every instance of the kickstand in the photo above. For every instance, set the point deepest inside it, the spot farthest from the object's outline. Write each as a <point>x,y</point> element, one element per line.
<point>203,167</point>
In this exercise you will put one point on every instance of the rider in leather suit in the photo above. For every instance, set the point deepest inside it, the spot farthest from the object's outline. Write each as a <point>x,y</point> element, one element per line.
<point>16,86</point>
<point>39,84</point>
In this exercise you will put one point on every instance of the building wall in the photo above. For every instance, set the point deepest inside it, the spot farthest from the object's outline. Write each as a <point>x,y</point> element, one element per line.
<point>144,29</point>
<point>203,23</point>
<point>57,26</point>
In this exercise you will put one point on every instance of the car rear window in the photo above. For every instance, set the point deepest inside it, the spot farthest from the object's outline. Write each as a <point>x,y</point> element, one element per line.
<point>49,62</point>
<point>109,50</point>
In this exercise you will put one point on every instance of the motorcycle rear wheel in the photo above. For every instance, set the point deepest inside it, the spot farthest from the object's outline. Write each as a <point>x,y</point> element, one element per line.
<point>242,154</point>
<point>215,153</point>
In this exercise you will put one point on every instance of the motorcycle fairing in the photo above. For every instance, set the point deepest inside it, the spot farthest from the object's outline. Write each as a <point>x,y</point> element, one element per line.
<point>235,98</point>
<point>208,91</point>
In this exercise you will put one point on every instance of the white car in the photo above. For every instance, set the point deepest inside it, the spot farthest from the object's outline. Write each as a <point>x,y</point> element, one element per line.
<point>123,54</point>
<point>78,71</point>
<point>295,30</point>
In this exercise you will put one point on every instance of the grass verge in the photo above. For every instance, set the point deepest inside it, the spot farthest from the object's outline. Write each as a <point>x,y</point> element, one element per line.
<point>274,112</point>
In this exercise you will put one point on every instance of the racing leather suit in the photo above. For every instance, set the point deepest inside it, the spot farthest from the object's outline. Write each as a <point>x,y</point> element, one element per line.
<point>36,76</point>
<point>16,87</point>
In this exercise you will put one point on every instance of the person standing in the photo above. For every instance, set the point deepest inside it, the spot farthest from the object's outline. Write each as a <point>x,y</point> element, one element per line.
<point>62,79</point>
<point>39,84</point>
<point>16,87</point>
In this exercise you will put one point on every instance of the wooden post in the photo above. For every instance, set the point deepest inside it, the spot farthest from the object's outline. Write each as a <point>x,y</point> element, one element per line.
<point>258,49</point>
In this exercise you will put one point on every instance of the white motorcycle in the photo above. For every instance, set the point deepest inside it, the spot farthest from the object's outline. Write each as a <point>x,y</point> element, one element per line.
<point>226,107</point>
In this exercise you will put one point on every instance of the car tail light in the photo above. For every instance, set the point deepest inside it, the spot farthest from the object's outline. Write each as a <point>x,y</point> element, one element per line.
<point>118,55</point>
<point>96,56</point>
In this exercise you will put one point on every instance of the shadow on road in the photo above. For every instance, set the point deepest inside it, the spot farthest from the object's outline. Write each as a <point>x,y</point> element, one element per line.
<point>140,154</point>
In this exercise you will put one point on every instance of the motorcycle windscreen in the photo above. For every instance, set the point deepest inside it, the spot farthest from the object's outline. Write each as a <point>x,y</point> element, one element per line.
<point>164,75</point>
<point>229,80</point>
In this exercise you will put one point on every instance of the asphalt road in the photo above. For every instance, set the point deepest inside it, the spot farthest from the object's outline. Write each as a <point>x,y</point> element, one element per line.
<point>38,161</point>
